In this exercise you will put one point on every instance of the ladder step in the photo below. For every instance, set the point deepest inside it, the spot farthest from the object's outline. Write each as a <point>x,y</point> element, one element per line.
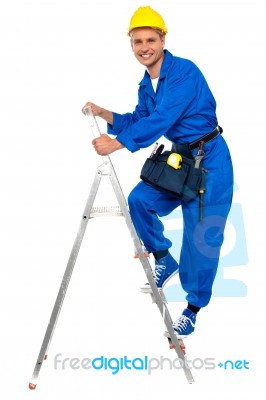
<point>111,211</point>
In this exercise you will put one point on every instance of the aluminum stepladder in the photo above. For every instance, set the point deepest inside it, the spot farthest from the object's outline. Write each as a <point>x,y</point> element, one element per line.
<point>107,170</point>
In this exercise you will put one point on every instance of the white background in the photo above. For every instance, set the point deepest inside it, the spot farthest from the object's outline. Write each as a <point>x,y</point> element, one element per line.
<point>55,56</point>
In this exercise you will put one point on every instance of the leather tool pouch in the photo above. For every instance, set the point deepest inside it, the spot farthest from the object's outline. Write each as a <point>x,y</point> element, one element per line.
<point>184,181</point>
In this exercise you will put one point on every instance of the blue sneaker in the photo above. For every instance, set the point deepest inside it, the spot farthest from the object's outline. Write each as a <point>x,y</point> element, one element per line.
<point>185,324</point>
<point>164,270</point>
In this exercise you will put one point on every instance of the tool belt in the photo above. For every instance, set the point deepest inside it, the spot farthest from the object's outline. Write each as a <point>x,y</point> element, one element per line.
<point>177,171</point>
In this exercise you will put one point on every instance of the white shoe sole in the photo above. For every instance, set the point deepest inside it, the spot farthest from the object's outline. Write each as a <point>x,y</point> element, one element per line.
<point>166,334</point>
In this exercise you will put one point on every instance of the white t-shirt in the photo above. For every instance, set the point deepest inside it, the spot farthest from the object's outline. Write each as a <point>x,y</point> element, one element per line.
<point>154,83</point>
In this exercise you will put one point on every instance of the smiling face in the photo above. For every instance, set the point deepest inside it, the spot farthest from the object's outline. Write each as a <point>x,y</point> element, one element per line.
<point>147,45</point>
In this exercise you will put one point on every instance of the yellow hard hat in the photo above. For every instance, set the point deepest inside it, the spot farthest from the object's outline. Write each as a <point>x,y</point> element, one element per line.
<point>147,17</point>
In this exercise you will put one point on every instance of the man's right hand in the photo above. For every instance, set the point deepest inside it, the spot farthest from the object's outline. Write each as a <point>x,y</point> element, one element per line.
<point>96,110</point>
<point>99,111</point>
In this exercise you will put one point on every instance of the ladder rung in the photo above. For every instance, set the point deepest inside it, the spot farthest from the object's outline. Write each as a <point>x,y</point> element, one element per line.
<point>111,211</point>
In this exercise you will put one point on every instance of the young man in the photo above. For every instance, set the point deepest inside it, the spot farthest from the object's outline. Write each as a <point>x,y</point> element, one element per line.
<point>174,101</point>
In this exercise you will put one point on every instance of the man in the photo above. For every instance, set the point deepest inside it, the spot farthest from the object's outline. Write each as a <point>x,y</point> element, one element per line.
<point>174,101</point>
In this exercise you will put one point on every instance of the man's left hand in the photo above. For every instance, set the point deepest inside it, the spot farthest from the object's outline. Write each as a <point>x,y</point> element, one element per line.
<point>105,145</point>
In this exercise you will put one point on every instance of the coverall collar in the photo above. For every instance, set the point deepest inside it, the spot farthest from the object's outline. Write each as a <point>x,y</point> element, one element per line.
<point>164,68</point>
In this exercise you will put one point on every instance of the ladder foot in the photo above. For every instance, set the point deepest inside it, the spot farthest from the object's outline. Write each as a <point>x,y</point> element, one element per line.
<point>32,386</point>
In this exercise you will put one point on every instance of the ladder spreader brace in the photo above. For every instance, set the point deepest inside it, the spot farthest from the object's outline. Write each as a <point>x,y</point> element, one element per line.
<point>107,170</point>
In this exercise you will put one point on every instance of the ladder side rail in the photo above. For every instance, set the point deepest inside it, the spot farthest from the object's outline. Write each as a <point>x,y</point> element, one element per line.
<point>148,271</point>
<point>65,282</point>
<point>137,243</point>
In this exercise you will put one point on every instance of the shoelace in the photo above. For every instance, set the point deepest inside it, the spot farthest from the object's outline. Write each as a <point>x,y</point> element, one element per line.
<point>181,323</point>
<point>157,272</point>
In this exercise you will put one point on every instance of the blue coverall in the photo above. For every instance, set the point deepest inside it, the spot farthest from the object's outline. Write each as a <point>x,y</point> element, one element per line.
<point>183,109</point>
